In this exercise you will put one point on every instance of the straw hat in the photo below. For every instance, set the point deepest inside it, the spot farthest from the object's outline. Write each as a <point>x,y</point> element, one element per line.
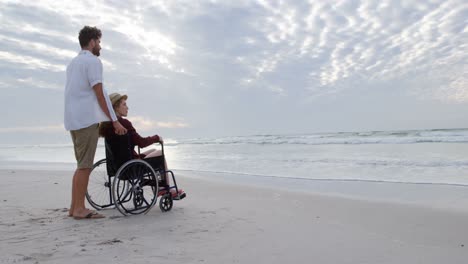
<point>114,97</point>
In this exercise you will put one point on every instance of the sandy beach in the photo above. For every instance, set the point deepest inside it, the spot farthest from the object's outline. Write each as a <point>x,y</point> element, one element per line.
<point>225,222</point>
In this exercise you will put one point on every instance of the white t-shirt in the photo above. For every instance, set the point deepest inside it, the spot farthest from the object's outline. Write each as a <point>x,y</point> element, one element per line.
<point>81,105</point>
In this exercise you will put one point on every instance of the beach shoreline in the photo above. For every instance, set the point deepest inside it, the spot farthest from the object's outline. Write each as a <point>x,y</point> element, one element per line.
<point>231,221</point>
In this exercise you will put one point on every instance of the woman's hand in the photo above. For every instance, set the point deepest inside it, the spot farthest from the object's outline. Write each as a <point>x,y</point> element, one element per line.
<point>157,138</point>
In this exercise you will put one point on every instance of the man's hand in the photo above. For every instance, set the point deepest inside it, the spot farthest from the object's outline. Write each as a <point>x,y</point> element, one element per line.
<point>119,129</point>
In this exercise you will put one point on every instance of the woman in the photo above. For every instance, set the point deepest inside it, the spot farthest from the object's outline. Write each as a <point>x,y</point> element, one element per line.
<point>119,103</point>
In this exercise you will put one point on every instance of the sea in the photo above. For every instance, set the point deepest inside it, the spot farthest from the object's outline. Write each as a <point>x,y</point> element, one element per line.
<point>437,156</point>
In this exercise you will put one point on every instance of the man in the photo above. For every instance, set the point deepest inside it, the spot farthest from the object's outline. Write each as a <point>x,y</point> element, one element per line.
<point>86,105</point>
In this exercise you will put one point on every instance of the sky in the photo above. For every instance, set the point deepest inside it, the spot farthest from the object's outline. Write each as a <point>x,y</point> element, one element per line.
<point>225,68</point>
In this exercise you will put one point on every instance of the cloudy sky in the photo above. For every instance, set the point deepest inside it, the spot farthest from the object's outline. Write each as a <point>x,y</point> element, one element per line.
<point>220,68</point>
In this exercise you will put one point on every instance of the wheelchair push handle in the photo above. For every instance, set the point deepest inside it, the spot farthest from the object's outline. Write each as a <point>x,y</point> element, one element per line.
<point>162,147</point>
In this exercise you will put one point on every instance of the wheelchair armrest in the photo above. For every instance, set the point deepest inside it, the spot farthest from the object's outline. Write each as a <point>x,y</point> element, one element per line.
<point>160,143</point>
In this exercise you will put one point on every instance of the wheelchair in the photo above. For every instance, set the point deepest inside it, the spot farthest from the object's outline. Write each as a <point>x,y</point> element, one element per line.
<point>128,184</point>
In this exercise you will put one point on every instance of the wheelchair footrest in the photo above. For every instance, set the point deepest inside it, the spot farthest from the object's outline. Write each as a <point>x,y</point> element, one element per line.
<point>180,196</point>
<point>175,196</point>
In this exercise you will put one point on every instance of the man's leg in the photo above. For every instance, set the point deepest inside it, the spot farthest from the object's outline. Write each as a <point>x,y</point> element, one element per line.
<point>72,204</point>
<point>85,143</point>
<point>80,185</point>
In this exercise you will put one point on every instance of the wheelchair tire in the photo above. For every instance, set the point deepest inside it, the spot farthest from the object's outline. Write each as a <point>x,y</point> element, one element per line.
<point>134,188</point>
<point>99,193</point>
<point>166,202</point>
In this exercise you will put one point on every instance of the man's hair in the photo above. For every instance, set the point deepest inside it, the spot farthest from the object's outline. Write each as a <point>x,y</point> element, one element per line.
<point>87,34</point>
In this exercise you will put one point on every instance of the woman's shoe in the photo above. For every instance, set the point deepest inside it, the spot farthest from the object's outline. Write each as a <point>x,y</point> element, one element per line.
<point>178,196</point>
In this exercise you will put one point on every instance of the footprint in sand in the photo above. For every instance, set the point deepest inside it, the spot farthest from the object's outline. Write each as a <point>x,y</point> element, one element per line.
<point>62,210</point>
<point>197,231</point>
<point>110,242</point>
<point>207,212</point>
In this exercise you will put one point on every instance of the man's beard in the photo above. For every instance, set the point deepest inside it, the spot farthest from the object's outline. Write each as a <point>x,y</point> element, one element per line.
<point>96,51</point>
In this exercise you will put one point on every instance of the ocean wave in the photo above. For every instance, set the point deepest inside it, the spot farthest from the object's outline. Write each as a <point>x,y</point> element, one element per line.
<point>344,138</point>
<point>383,162</point>
<point>37,146</point>
<point>340,138</point>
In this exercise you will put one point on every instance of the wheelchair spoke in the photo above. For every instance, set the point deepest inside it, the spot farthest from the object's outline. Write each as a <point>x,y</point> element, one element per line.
<point>146,202</point>
<point>135,189</point>
<point>98,192</point>
<point>128,192</point>
<point>140,171</point>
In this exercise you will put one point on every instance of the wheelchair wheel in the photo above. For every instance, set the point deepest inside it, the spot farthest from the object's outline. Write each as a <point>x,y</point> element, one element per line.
<point>98,193</point>
<point>134,189</point>
<point>166,202</point>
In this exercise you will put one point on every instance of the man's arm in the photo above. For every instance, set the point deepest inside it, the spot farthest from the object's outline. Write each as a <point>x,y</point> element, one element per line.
<point>119,129</point>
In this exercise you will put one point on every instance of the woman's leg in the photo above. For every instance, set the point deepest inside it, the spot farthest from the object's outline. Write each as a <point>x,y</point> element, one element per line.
<point>146,153</point>
<point>152,153</point>
<point>156,153</point>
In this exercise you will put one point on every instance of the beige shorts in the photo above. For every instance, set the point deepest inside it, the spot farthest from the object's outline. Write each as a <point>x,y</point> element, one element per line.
<point>85,143</point>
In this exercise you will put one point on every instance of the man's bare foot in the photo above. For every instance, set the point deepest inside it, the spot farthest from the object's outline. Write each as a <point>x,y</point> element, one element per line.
<point>91,215</point>
<point>81,213</point>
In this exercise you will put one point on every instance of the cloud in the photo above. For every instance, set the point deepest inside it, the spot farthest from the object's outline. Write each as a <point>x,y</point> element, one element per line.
<point>349,41</point>
<point>146,124</point>
<point>4,84</point>
<point>41,129</point>
<point>157,46</point>
<point>343,41</point>
<point>172,124</point>
<point>28,62</point>
<point>238,58</point>
<point>31,82</point>
<point>26,45</point>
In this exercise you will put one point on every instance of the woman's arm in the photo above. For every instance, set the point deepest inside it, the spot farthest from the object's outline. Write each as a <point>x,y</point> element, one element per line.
<point>143,141</point>
<point>136,138</point>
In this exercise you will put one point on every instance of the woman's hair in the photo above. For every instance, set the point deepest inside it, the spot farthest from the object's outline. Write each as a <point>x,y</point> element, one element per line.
<point>117,103</point>
<point>105,127</point>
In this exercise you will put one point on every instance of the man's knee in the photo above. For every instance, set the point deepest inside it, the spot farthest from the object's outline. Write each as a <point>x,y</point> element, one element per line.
<point>85,143</point>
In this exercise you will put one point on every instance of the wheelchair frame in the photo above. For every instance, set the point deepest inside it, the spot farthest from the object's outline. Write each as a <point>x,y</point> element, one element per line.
<point>131,185</point>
